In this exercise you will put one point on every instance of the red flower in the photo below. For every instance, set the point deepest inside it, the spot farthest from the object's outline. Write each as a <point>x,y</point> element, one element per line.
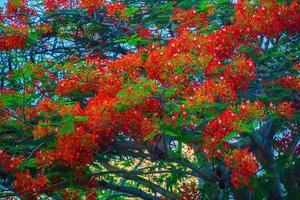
<point>190,18</point>
<point>250,110</point>
<point>244,166</point>
<point>8,163</point>
<point>29,187</point>
<point>70,194</point>
<point>286,109</point>
<point>216,130</point>
<point>289,82</point>
<point>113,9</point>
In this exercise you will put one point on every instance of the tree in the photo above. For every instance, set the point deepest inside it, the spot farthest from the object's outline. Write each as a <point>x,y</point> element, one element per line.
<point>150,99</point>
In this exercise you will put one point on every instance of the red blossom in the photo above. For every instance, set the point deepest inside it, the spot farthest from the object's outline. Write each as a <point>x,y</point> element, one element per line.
<point>243,164</point>
<point>286,109</point>
<point>250,110</point>
<point>29,187</point>
<point>289,82</point>
<point>126,96</point>
<point>216,130</point>
<point>114,9</point>
<point>70,194</point>
<point>9,163</point>
<point>190,18</point>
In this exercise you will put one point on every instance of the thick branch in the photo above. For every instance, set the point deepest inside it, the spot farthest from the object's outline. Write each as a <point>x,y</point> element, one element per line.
<point>129,190</point>
<point>261,145</point>
<point>140,180</point>
<point>126,147</point>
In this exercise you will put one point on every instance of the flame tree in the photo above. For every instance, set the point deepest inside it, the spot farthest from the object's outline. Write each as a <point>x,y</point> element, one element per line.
<point>149,99</point>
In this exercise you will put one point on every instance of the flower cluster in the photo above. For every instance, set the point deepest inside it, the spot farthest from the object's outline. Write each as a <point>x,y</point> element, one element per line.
<point>190,18</point>
<point>297,66</point>
<point>9,163</point>
<point>54,5</point>
<point>116,9</point>
<point>248,110</point>
<point>29,187</point>
<point>268,18</point>
<point>78,79</point>
<point>244,165</point>
<point>211,92</point>
<point>240,72</point>
<point>44,28</point>
<point>216,130</point>
<point>284,140</point>
<point>144,33</point>
<point>225,123</point>
<point>42,129</point>
<point>289,82</point>
<point>8,43</point>
<point>70,194</point>
<point>13,37</point>
<point>286,109</point>
<point>18,11</point>
<point>107,121</point>
<point>128,96</point>
<point>75,149</point>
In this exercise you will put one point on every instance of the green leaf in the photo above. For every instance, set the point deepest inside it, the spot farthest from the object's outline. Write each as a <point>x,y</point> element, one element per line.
<point>230,136</point>
<point>150,136</point>
<point>130,11</point>
<point>171,107</point>
<point>179,150</point>
<point>188,138</point>
<point>171,133</point>
<point>80,118</point>
<point>68,126</point>
<point>123,39</point>
<point>134,40</point>
<point>122,93</point>
<point>28,164</point>
<point>34,36</point>
<point>278,53</point>
<point>16,3</point>
<point>210,105</point>
<point>10,100</point>
<point>169,93</point>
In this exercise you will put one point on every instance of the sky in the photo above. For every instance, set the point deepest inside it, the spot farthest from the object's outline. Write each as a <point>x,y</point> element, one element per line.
<point>2,2</point>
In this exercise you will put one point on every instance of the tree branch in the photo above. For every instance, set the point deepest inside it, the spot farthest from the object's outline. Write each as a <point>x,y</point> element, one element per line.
<point>138,179</point>
<point>128,190</point>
